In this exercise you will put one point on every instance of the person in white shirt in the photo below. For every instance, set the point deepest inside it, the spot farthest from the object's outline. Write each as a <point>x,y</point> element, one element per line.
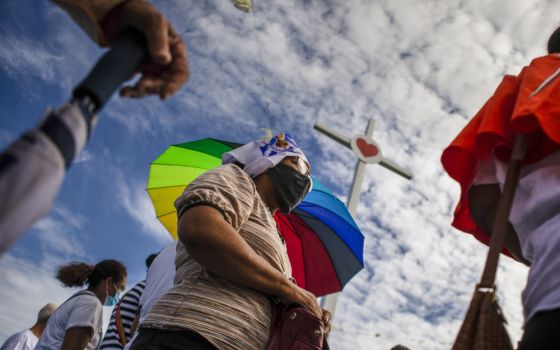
<point>27,339</point>
<point>78,322</point>
<point>159,280</point>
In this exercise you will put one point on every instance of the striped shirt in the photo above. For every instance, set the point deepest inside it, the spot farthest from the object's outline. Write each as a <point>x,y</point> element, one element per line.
<point>227,314</point>
<point>128,308</point>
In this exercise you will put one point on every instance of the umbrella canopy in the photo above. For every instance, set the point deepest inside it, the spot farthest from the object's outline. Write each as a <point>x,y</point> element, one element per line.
<point>324,244</point>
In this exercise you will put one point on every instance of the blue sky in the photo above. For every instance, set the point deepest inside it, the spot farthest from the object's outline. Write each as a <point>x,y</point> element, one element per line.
<point>420,68</point>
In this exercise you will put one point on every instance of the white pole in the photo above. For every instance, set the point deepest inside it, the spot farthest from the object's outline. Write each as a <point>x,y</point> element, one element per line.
<point>354,196</point>
<point>329,302</point>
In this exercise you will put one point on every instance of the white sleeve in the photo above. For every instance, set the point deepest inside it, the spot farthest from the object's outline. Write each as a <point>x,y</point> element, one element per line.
<point>486,172</point>
<point>85,312</point>
<point>12,342</point>
<point>31,171</point>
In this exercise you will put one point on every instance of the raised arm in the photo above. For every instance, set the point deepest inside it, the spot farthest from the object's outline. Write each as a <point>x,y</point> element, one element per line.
<point>104,20</point>
<point>33,167</point>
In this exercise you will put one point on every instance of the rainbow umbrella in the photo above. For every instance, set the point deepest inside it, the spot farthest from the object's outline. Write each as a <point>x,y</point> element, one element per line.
<point>324,243</point>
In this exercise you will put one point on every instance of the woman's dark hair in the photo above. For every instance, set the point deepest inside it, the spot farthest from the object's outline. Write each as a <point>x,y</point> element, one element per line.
<point>77,274</point>
<point>150,259</point>
<point>554,42</point>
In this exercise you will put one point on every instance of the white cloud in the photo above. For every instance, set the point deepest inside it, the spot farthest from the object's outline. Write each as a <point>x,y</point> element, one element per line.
<point>60,233</point>
<point>60,61</point>
<point>135,200</point>
<point>421,68</point>
<point>5,138</point>
<point>83,157</point>
<point>20,54</point>
<point>25,288</point>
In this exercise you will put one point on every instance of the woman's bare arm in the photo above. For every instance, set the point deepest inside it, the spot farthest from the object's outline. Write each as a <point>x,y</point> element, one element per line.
<point>76,338</point>
<point>217,246</point>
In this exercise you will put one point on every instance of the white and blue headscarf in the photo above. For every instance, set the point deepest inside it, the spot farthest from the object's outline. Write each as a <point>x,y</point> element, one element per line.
<point>258,156</point>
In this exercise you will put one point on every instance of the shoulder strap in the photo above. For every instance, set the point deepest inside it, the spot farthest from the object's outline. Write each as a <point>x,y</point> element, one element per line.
<point>80,293</point>
<point>119,325</point>
<point>501,221</point>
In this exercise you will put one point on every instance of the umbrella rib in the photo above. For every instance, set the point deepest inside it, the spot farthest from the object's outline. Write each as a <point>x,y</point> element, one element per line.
<point>354,225</point>
<point>356,228</point>
<point>157,188</point>
<point>227,143</point>
<point>173,211</point>
<point>181,165</point>
<point>346,268</point>
<point>303,213</point>
<point>206,151</point>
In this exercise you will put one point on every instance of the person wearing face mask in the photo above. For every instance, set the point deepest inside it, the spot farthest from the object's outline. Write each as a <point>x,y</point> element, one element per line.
<point>230,255</point>
<point>121,324</point>
<point>78,322</point>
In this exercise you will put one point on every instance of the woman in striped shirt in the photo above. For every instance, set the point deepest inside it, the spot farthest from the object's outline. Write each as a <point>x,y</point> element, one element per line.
<point>231,257</point>
<point>124,315</point>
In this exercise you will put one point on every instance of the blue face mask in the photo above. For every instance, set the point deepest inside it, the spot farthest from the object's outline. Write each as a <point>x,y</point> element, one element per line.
<point>112,300</point>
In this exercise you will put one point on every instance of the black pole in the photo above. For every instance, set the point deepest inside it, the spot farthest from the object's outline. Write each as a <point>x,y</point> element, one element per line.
<point>112,69</point>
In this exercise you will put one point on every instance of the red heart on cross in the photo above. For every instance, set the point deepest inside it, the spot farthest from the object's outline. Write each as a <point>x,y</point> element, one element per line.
<point>367,149</point>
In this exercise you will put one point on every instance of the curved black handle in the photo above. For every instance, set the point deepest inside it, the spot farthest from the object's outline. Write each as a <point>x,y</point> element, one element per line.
<point>113,68</point>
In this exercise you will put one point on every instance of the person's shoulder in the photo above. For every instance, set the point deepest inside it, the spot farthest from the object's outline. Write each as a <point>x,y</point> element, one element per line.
<point>18,335</point>
<point>28,337</point>
<point>227,175</point>
<point>12,340</point>
<point>21,340</point>
<point>230,170</point>
<point>86,295</point>
<point>227,188</point>
<point>140,285</point>
<point>85,300</point>
<point>132,296</point>
<point>138,288</point>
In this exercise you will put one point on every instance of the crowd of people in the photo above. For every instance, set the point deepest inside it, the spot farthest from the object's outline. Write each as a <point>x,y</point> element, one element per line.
<point>212,289</point>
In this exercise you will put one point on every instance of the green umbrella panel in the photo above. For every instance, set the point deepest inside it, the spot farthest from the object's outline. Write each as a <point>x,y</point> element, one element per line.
<point>175,168</point>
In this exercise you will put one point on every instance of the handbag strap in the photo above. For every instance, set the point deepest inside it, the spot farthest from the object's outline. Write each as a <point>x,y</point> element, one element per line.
<point>119,325</point>
<point>501,221</point>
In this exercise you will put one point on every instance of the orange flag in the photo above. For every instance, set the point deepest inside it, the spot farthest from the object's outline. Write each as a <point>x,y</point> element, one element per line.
<point>527,103</point>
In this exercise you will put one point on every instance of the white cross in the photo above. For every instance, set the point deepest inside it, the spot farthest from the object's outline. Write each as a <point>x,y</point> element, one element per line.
<point>368,152</point>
